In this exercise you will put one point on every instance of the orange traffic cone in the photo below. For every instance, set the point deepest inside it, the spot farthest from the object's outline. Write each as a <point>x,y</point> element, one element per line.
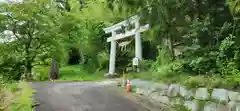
<point>128,89</point>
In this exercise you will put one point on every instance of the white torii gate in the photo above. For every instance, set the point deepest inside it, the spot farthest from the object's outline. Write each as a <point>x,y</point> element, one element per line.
<point>113,39</point>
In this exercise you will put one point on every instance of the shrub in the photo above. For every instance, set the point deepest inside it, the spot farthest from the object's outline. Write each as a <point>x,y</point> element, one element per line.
<point>40,73</point>
<point>11,68</point>
<point>163,58</point>
<point>201,65</point>
<point>228,57</point>
<point>145,65</point>
<point>194,82</point>
<point>2,81</point>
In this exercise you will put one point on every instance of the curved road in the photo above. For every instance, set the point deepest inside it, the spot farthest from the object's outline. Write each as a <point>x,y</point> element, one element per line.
<point>82,96</point>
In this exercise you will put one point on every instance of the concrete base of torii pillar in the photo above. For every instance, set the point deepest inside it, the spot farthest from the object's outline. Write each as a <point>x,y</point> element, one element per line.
<point>114,75</point>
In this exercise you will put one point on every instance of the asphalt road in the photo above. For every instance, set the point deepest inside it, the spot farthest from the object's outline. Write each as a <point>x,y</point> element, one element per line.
<point>82,96</point>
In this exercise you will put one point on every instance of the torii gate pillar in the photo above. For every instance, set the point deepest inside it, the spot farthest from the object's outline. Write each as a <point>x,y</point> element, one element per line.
<point>138,42</point>
<point>112,55</point>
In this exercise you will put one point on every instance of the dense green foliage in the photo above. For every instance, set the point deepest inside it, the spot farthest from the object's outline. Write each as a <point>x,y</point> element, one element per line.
<point>36,39</point>
<point>65,30</point>
<point>194,29</point>
<point>197,38</point>
<point>195,42</point>
<point>194,38</point>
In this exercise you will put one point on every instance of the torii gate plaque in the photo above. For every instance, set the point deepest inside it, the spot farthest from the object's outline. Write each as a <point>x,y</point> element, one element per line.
<point>113,39</point>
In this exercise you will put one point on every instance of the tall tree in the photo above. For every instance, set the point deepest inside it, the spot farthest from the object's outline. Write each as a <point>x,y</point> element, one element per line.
<point>84,28</point>
<point>35,28</point>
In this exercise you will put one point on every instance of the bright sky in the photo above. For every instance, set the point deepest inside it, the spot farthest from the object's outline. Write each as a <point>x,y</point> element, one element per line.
<point>11,38</point>
<point>2,1</point>
<point>5,1</point>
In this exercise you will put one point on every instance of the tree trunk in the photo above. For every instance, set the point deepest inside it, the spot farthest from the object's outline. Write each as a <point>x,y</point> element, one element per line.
<point>82,57</point>
<point>168,42</point>
<point>54,71</point>
<point>27,71</point>
<point>171,47</point>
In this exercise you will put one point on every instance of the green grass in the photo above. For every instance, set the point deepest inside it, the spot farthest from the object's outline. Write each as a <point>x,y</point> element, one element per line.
<point>77,73</point>
<point>24,98</point>
<point>16,97</point>
<point>141,75</point>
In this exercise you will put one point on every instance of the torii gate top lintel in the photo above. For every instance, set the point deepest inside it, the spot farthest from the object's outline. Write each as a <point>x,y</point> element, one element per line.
<point>132,20</point>
<point>119,25</point>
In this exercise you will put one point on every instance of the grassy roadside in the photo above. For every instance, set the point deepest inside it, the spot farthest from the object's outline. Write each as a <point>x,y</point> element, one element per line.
<point>16,97</point>
<point>77,73</point>
<point>69,73</point>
